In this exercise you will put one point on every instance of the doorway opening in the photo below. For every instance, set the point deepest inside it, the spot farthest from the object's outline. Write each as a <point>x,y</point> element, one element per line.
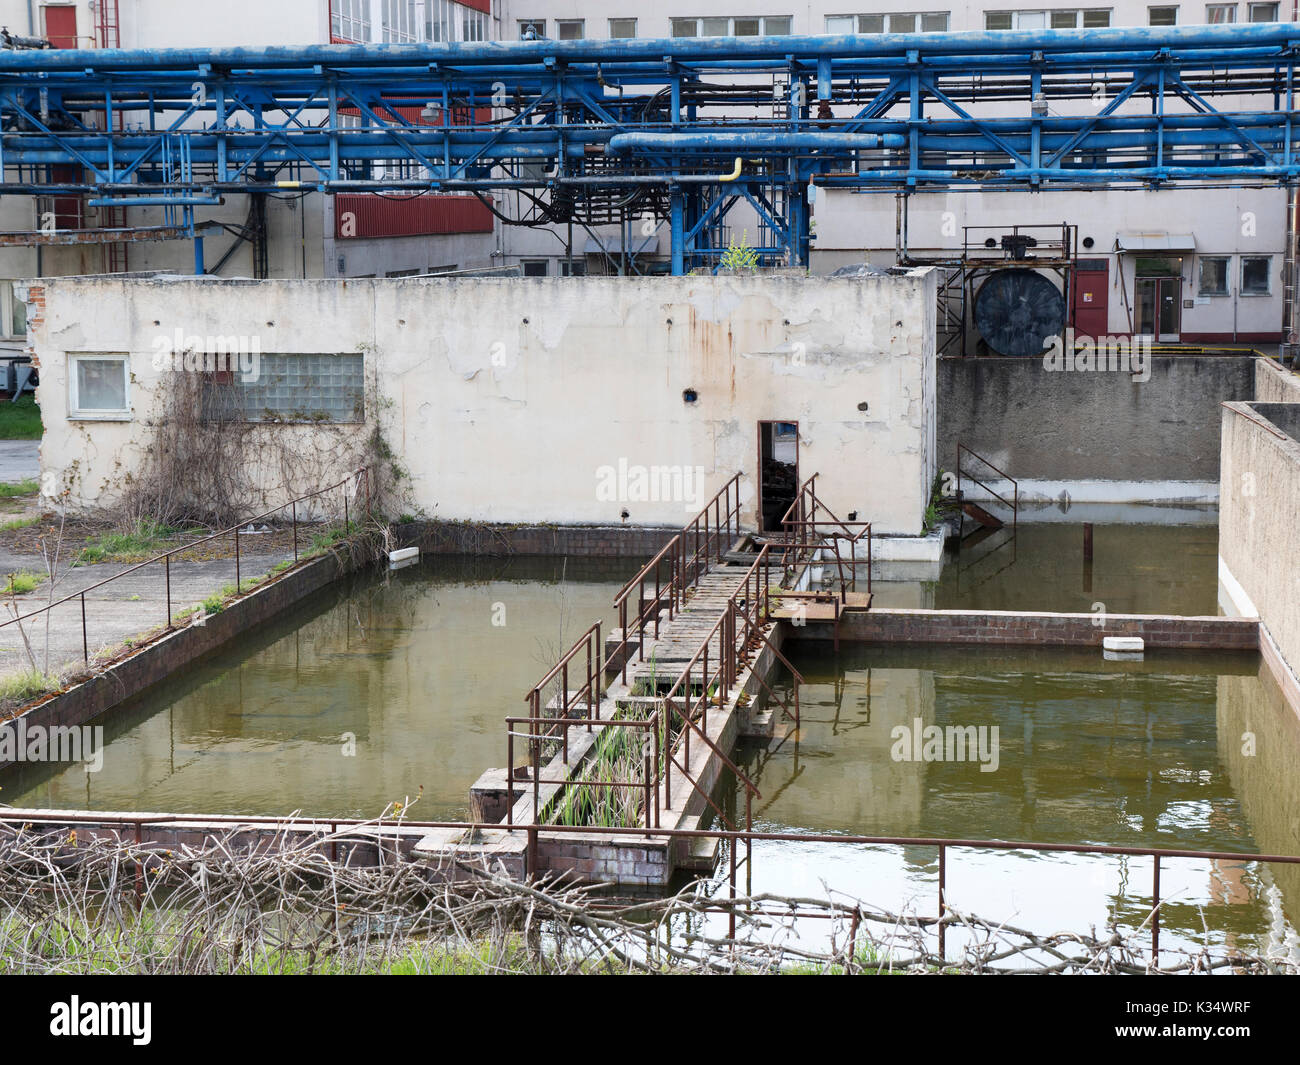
<point>1159,290</point>
<point>778,472</point>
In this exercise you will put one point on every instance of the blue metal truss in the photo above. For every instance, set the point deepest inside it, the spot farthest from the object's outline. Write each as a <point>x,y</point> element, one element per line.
<point>680,129</point>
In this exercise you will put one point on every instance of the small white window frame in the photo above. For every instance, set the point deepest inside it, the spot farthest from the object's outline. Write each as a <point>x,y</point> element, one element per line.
<point>75,411</point>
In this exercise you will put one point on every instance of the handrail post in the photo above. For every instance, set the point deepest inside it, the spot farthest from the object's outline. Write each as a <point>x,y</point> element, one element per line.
<point>1155,912</point>
<point>510,774</point>
<point>85,644</point>
<point>167,568</point>
<point>295,530</point>
<point>943,871</point>
<point>624,645</point>
<point>238,582</point>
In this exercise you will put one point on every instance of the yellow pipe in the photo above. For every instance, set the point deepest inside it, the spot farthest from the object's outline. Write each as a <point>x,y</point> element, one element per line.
<point>735,174</point>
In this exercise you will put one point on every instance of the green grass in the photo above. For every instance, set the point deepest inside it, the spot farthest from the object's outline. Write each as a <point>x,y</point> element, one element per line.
<point>20,523</point>
<point>21,420</point>
<point>28,487</point>
<point>146,539</point>
<point>21,583</point>
<point>26,684</point>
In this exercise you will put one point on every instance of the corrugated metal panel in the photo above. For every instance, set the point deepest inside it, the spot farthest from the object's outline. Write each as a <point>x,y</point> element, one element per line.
<point>361,215</point>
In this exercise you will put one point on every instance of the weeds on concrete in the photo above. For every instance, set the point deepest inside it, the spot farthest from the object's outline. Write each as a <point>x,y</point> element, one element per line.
<point>145,539</point>
<point>29,487</point>
<point>26,684</point>
<point>22,583</point>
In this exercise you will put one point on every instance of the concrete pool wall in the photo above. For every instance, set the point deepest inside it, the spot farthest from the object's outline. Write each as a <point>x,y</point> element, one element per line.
<point>1259,547</point>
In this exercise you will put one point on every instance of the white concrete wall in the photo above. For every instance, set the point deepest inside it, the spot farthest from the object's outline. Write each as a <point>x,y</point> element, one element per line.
<point>505,398</point>
<point>1259,512</point>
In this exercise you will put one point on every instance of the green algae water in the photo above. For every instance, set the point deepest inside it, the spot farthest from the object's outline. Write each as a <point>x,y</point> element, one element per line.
<point>1135,569</point>
<point>392,683</point>
<point>363,695</point>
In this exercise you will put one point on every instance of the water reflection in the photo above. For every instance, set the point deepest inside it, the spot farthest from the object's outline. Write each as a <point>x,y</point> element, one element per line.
<point>1135,754</point>
<point>418,669</point>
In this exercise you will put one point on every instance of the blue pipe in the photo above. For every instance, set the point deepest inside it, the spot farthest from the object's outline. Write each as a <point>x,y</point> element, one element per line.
<point>749,141</point>
<point>1279,35</point>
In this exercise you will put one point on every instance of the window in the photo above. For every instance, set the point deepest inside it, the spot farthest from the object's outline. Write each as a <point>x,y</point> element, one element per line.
<point>622,28</point>
<point>1214,276</point>
<point>536,267</point>
<point>350,20</point>
<point>98,387</point>
<point>293,388</point>
<point>577,268</point>
<point>751,26</point>
<point>897,22</point>
<point>1086,18</point>
<point>401,22</point>
<point>533,29</point>
<point>1220,13</point>
<point>1254,275</point>
<point>13,312</point>
<point>473,24</point>
<point>1162,16</point>
<point>570,29</point>
<point>1263,13</point>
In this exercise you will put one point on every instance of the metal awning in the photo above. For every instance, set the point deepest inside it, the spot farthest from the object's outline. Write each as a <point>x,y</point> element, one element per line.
<point>614,244</point>
<point>1154,240</point>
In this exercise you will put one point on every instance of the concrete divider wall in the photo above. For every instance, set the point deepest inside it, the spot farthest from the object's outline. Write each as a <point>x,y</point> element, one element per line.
<point>1054,428</point>
<point>1275,383</point>
<point>1259,516</point>
<point>1041,629</point>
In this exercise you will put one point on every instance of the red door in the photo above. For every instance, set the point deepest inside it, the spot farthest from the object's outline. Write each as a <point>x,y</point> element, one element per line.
<point>1091,289</point>
<point>61,25</point>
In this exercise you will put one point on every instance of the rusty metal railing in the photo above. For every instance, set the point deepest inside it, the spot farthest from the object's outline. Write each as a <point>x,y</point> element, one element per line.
<point>811,526</point>
<point>336,826</point>
<point>675,569</point>
<point>1013,502</point>
<point>589,650</point>
<point>350,485</point>
<point>542,729</point>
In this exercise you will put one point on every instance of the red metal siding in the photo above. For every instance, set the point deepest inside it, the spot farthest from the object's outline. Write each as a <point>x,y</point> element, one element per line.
<point>361,215</point>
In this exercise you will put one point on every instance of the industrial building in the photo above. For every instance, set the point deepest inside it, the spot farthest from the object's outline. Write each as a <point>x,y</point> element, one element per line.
<point>1184,264</point>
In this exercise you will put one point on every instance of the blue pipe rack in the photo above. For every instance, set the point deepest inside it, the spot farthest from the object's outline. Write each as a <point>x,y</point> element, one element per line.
<point>699,125</point>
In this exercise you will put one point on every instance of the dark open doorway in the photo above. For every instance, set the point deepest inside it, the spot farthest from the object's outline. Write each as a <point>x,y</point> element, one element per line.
<point>778,472</point>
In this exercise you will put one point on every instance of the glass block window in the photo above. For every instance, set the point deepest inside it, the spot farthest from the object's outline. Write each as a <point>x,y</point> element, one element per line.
<point>296,388</point>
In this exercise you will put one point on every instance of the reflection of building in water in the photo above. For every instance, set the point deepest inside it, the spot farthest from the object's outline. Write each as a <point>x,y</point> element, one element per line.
<point>1259,737</point>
